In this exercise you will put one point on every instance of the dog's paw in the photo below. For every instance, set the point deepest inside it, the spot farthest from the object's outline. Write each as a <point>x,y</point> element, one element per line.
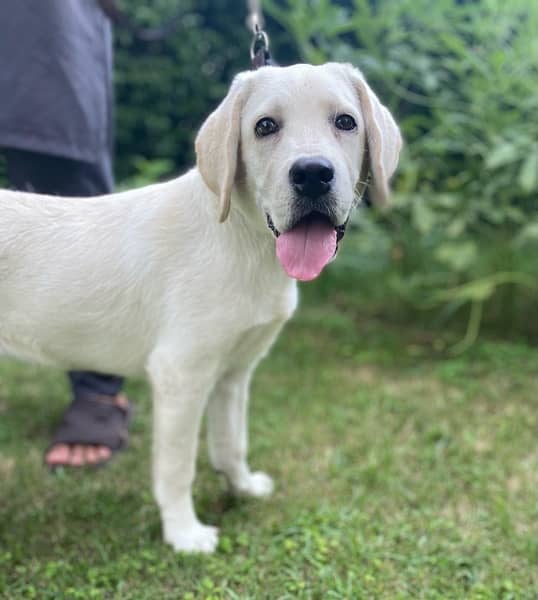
<point>197,538</point>
<point>255,485</point>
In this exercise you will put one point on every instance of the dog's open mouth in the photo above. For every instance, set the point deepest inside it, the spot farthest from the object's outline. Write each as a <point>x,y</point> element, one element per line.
<point>305,249</point>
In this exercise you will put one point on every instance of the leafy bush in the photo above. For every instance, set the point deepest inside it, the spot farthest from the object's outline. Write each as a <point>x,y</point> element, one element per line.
<point>165,89</point>
<point>461,78</point>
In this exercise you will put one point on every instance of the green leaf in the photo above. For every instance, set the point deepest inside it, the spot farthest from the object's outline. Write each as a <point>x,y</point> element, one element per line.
<point>529,234</point>
<point>458,256</point>
<point>475,291</point>
<point>528,175</point>
<point>424,218</point>
<point>502,154</point>
<point>456,227</point>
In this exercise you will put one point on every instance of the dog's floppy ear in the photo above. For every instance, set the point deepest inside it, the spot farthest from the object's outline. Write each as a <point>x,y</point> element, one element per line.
<point>217,144</point>
<point>384,141</point>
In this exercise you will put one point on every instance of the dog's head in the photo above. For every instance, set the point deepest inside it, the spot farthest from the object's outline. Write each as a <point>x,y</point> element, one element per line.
<point>297,145</point>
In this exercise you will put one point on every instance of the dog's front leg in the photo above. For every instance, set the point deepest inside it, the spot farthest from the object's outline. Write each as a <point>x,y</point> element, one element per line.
<point>227,436</point>
<point>180,393</point>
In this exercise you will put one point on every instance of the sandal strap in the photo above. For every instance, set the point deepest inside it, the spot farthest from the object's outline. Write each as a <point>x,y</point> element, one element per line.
<point>94,420</point>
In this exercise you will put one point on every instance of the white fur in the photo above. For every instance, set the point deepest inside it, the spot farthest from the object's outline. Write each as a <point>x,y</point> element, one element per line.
<point>150,281</point>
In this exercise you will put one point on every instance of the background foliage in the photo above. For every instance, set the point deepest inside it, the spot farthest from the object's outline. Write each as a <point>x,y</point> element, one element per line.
<point>165,89</point>
<point>461,77</point>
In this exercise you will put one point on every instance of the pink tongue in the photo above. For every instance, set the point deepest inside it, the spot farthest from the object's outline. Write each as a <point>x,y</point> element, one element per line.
<point>306,249</point>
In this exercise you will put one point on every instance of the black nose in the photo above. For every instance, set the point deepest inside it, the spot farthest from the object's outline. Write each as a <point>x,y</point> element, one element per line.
<point>312,176</point>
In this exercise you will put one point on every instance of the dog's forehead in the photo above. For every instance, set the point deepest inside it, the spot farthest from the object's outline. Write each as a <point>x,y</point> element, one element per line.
<point>292,88</point>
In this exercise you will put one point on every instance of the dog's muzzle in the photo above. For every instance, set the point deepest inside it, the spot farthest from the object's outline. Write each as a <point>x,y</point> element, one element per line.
<point>311,179</point>
<point>309,240</point>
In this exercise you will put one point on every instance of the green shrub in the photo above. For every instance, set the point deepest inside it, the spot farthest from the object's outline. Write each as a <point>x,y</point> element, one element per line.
<point>461,78</point>
<point>165,89</point>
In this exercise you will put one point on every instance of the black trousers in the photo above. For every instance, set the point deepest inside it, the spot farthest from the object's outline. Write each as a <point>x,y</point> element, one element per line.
<point>46,174</point>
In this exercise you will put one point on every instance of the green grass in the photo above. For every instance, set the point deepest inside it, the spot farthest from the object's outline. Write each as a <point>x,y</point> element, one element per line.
<point>400,473</point>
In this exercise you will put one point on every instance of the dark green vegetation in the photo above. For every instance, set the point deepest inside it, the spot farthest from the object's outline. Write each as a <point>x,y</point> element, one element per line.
<point>400,473</point>
<point>461,78</point>
<point>165,89</point>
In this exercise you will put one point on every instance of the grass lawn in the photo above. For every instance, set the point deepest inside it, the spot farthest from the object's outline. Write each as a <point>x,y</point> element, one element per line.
<point>400,473</point>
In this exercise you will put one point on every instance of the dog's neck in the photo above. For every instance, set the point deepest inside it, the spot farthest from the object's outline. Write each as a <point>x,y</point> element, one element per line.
<point>244,212</point>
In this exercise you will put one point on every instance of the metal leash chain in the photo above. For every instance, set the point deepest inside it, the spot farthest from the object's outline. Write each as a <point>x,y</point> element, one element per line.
<point>260,56</point>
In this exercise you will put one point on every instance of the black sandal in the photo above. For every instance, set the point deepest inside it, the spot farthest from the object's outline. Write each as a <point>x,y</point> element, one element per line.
<point>93,421</point>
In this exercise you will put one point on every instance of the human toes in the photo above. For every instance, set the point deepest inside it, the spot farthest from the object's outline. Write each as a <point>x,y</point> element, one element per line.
<point>59,454</point>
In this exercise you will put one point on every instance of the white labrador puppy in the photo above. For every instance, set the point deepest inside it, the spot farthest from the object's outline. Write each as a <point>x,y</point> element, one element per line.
<point>190,281</point>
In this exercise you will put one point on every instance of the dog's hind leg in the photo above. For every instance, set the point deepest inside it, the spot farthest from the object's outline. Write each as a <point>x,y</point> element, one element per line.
<point>227,436</point>
<point>180,394</point>
<point>227,416</point>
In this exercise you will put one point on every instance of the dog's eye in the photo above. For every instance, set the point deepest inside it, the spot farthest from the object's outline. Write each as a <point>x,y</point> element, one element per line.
<point>345,122</point>
<point>266,126</point>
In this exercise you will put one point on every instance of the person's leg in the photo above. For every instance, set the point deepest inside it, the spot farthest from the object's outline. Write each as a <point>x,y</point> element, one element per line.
<point>46,174</point>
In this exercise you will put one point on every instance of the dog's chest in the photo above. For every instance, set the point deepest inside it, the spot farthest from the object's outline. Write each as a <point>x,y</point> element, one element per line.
<point>267,306</point>
<point>267,297</point>
<point>255,320</point>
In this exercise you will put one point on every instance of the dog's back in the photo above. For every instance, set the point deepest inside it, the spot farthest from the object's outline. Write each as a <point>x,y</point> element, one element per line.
<point>64,268</point>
